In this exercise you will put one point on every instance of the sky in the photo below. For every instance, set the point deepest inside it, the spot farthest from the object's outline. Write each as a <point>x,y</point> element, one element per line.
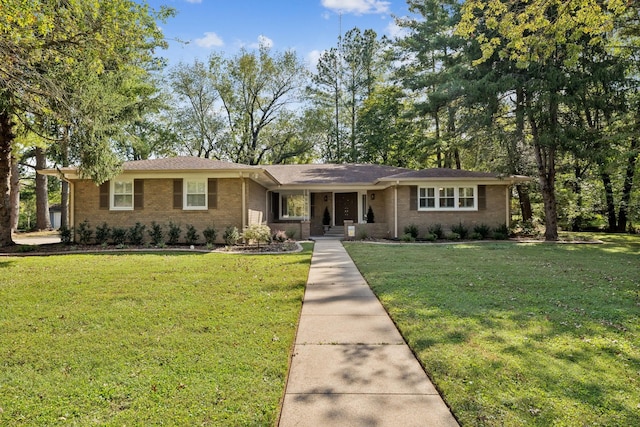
<point>306,26</point>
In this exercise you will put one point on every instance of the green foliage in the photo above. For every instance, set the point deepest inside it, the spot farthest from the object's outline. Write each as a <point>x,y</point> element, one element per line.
<point>138,339</point>
<point>436,230</point>
<point>174,233</point>
<point>231,236</point>
<point>501,232</point>
<point>370,216</point>
<point>135,234</point>
<point>156,233</point>
<point>408,237</point>
<point>519,335</point>
<point>452,236</point>
<point>66,235</point>
<point>119,235</point>
<point>482,230</point>
<point>191,237</point>
<point>257,233</point>
<point>291,233</point>
<point>84,232</point>
<point>461,230</point>
<point>103,233</point>
<point>210,233</point>
<point>412,230</point>
<point>430,237</point>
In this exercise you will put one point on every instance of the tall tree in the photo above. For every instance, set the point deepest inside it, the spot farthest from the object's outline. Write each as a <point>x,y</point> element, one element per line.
<point>42,43</point>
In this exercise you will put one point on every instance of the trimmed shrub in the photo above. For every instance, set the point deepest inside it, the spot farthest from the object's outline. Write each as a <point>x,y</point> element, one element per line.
<point>437,230</point>
<point>453,236</point>
<point>370,216</point>
<point>66,234</point>
<point>156,234</point>
<point>174,233</point>
<point>501,232</point>
<point>258,233</point>
<point>119,235</point>
<point>483,230</point>
<point>84,232</point>
<point>192,235</point>
<point>292,233</point>
<point>103,232</point>
<point>231,236</point>
<point>210,233</point>
<point>461,230</point>
<point>136,234</point>
<point>407,237</point>
<point>430,237</point>
<point>412,229</point>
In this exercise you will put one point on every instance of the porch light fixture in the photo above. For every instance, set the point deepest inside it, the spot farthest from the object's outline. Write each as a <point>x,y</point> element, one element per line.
<point>326,197</point>
<point>373,196</point>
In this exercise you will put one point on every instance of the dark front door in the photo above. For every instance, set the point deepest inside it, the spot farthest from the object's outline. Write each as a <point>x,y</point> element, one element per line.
<point>346,207</point>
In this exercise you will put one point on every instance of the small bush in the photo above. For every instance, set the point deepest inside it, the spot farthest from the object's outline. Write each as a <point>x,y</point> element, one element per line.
<point>258,233</point>
<point>174,233</point>
<point>501,232</point>
<point>292,233</point>
<point>412,229</point>
<point>430,237</point>
<point>136,234</point>
<point>362,234</point>
<point>210,233</point>
<point>370,216</point>
<point>192,235</point>
<point>103,232</point>
<point>477,236</point>
<point>84,232</point>
<point>231,236</point>
<point>280,236</point>
<point>26,248</point>
<point>437,230</point>
<point>453,236</point>
<point>119,236</point>
<point>483,230</point>
<point>156,234</point>
<point>461,230</point>
<point>66,234</point>
<point>407,237</point>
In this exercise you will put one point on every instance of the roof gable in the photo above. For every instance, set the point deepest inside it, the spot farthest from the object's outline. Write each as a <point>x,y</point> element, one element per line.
<point>328,174</point>
<point>182,163</point>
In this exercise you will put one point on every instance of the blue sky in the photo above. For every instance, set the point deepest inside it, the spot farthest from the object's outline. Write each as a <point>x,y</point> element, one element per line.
<point>307,26</point>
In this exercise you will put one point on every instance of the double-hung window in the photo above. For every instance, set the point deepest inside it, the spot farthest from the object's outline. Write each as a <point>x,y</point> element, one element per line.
<point>447,198</point>
<point>195,194</point>
<point>122,195</point>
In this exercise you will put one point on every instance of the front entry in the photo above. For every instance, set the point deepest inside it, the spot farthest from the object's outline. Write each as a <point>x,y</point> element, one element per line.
<point>346,207</point>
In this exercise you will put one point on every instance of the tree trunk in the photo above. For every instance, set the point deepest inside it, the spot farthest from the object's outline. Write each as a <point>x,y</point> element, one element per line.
<point>6,137</point>
<point>628,185</point>
<point>611,207</point>
<point>525,202</point>
<point>64,185</point>
<point>14,200</point>
<point>546,162</point>
<point>43,222</point>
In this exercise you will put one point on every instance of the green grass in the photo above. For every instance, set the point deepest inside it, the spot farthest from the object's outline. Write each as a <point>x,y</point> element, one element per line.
<point>147,339</point>
<point>519,334</point>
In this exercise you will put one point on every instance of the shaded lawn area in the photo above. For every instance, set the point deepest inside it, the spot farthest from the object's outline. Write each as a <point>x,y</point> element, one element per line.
<point>519,334</point>
<point>147,339</point>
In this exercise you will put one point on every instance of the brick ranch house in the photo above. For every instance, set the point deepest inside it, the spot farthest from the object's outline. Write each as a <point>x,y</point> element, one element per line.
<point>293,198</point>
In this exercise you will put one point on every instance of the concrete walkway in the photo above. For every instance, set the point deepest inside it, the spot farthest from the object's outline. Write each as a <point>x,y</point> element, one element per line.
<point>350,365</point>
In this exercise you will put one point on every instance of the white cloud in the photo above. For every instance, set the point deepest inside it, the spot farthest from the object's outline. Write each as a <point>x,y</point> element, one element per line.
<point>312,58</point>
<point>262,41</point>
<point>209,40</point>
<point>357,6</point>
<point>396,31</point>
<point>193,1</point>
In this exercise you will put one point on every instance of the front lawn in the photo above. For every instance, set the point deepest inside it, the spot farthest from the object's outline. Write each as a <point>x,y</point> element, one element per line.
<point>519,334</point>
<point>147,339</point>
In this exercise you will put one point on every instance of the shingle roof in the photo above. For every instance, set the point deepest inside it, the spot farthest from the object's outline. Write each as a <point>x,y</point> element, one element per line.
<point>182,163</point>
<point>330,173</point>
<point>442,173</point>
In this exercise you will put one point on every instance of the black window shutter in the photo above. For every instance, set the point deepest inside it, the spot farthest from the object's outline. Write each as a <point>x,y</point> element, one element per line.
<point>275,201</point>
<point>482,197</point>
<point>138,194</point>
<point>413,197</point>
<point>212,190</point>
<point>177,194</point>
<point>104,195</point>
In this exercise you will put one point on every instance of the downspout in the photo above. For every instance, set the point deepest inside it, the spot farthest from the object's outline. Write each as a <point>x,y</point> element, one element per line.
<point>508,206</point>
<point>71,205</point>
<point>395,208</point>
<point>244,201</point>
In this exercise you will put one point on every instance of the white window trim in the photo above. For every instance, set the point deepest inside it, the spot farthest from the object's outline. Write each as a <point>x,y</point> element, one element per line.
<point>306,205</point>
<point>456,195</point>
<point>112,195</point>
<point>185,194</point>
